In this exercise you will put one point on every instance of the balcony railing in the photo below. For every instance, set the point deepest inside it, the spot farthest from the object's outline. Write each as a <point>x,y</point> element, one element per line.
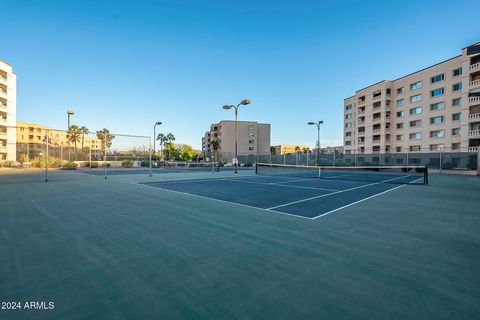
<point>473,149</point>
<point>474,116</point>
<point>3,78</point>
<point>474,133</point>
<point>475,67</point>
<point>3,93</point>
<point>474,83</point>
<point>360,102</point>
<point>474,100</point>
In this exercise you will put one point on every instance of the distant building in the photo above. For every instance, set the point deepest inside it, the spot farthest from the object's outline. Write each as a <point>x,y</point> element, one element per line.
<point>431,110</point>
<point>31,137</point>
<point>253,138</point>
<point>337,149</point>
<point>288,148</point>
<point>8,111</point>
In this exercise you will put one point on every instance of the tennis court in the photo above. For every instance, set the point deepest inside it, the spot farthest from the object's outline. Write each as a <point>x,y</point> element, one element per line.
<point>306,192</point>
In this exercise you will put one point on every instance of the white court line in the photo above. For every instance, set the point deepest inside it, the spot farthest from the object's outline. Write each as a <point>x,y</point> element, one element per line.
<point>329,194</point>
<point>278,185</point>
<point>223,201</point>
<point>356,202</point>
<point>297,180</point>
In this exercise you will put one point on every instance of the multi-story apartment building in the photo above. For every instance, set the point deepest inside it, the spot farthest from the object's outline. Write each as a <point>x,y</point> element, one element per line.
<point>31,139</point>
<point>430,110</point>
<point>253,138</point>
<point>8,111</point>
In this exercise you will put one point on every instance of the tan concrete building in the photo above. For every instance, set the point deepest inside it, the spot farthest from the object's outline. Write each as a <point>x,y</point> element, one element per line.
<point>288,148</point>
<point>430,110</point>
<point>8,111</point>
<point>32,137</point>
<point>253,138</point>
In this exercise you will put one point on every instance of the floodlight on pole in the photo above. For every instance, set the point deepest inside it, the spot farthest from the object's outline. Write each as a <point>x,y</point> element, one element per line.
<point>227,107</point>
<point>70,112</point>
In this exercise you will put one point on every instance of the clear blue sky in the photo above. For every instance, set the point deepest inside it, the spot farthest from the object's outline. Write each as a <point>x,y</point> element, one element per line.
<point>126,64</point>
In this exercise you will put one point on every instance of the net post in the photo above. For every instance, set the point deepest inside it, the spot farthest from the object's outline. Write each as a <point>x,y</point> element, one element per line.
<point>46,157</point>
<point>440,162</point>
<point>256,167</point>
<point>425,176</point>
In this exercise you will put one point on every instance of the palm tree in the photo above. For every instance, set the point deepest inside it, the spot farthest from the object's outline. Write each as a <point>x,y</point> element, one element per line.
<point>170,139</point>
<point>163,140</point>
<point>73,136</point>
<point>83,131</point>
<point>215,145</point>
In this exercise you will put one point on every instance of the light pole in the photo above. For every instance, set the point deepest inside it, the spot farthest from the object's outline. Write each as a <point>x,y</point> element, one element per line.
<point>158,123</point>
<point>318,136</point>
<point>69,113</point>
<point>226,107</point>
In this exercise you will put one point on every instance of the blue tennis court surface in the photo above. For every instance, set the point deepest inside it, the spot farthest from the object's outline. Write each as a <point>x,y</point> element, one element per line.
<point>302,197</point>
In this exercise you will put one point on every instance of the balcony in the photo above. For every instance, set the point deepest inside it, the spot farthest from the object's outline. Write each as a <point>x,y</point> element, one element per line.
<point>473,149</point>
<point>474,116</point>
<point>474,83</point>
<point>475,67</point>
<point>474,133</point>
<point>3,78</point>
<point>473,100</point>
<point>3,93</point>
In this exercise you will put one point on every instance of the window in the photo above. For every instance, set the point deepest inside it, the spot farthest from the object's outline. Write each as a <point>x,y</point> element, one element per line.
<point>437,134</point>
<point>456,102</point>
<point>437,78</point>
<point>251,141</point>
<point>457,72</point>
<point>456,146</point>
<point>401,90</point>
<point>348,116</point>
<point>416,136</point>
<point>348,107</point>
<point>399,137</point>
<point>414,149</point>
<point>436,147</point>
<point>388,91</point>
<point>251,148</point>
<point>416,98</point>
<point>416,123</point>
<point>251,128</point>
<point>400,125</point>
<point>456,116</point>
<point>361,129</point>
<point>416,85</point>
<point>437,92</point>
<point>348,125</point>
<point>399,149</point>
<point>251,134</point>
<point>400,114</point>
<point>415,111</point>
<point>348,143</point>
<point>455,131</point>
<point>377,94</point>
<point>457,87</point>
<point>400,102</point>
<point>348,134</point>
<point>436,120</point>
<point>437,106</point>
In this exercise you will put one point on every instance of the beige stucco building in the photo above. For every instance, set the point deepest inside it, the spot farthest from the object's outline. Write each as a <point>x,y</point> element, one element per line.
<point>8,111</point>
<point>253,138</point>
<point>32,137</point>
<point>430,110</point>
<point>288,148</point>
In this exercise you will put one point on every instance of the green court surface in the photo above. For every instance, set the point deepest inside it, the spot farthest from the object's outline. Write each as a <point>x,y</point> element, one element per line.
<point>117,249</point>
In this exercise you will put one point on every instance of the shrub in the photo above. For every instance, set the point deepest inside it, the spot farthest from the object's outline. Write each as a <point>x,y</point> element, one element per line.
<point>127,163</point>
<point>93,165</point>
<point>145,163</point>
<point>7,164</point>
<point>70,166</point>
<point>53,162</point>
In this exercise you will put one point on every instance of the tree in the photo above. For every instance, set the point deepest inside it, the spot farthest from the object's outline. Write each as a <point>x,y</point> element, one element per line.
<point>163,140</point>
<point>83,131</point>
<point>185,151</point>
<point>170,138</point>
<point>105,138</point>
<point>73,136</point>
<point>215,146</point>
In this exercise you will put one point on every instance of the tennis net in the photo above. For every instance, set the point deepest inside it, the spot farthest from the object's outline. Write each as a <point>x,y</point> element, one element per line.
<point>194,166</point>
<point>385,174</point>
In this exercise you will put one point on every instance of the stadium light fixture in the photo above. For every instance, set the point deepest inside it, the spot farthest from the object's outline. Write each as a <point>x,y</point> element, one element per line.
<point>227,107</point>
<point>318,134</point>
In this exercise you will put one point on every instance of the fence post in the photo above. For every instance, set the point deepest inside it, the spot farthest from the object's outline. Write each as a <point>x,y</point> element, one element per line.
<point>150,155</point>
<point>105,155</point>
<point>478,161</point>
<point>440,162</point>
